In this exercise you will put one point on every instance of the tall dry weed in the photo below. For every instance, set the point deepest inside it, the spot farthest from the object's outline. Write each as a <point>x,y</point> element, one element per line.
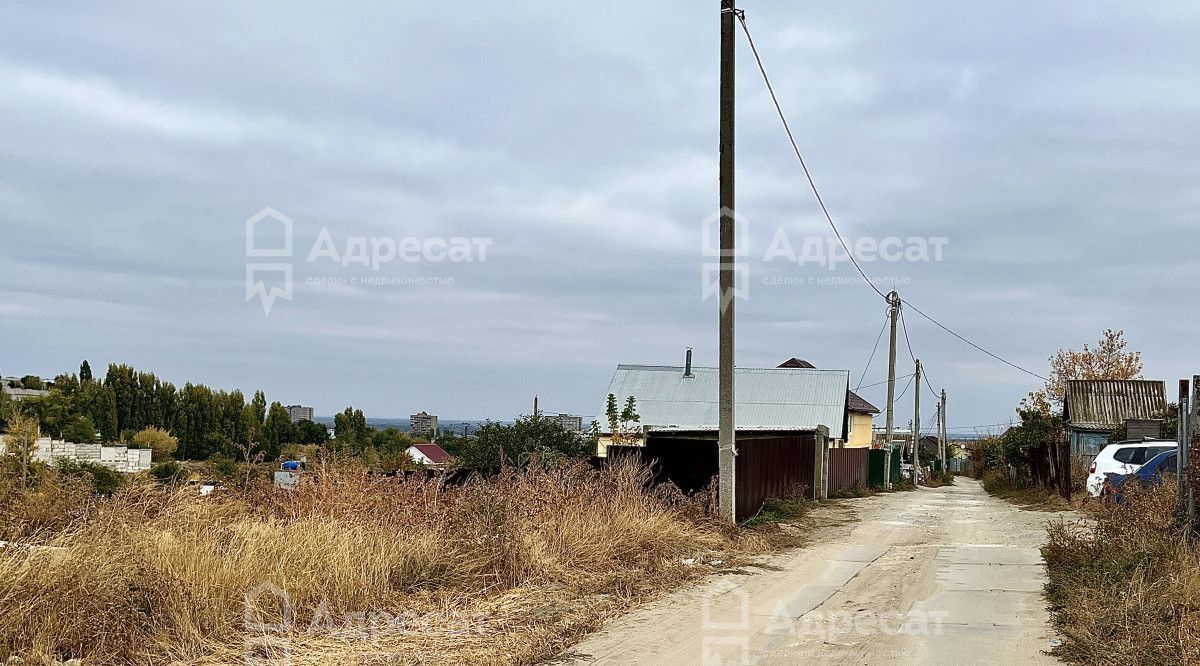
<point>1125,587</point>
<point>153,576</point>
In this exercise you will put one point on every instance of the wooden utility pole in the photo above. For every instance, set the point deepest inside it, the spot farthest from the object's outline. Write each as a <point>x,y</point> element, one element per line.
<point>942,434</point>
<point>893,313</point>
<point>726,451</point>
<point>916,433</point>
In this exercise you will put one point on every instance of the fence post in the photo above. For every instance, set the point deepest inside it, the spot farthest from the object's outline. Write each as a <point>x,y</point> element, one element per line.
<point>1189,430</point>
<point>1066,464</point>
<point>1181,436</point>
<point>821,467</point>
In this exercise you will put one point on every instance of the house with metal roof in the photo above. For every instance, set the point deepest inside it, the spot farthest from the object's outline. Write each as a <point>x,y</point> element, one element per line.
<point>784,419</point>
<point>679,399</point>
<point>1094,408</point>
<point>860,414</point>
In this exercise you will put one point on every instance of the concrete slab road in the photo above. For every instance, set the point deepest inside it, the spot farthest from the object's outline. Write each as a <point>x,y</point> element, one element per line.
<point>935,576</point>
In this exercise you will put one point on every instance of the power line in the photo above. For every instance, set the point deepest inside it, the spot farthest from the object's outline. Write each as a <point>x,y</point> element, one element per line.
<point>829,218</point>
<point>910,381</point>
<point>872,357</point>
<point>998,358</point>
<point>904,327</point>
<point>883,382</point>
<point>924,369</point>
<point>796,149</point>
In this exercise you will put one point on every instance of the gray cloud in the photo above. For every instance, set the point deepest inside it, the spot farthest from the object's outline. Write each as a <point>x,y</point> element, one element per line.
<point>1054,146</point>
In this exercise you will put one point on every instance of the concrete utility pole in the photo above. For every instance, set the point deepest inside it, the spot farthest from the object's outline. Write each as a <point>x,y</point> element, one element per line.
<point>1181,459</point>
<point>726,451</point>
<point>916,433</point>
<point>942,434</point>
<point>893,313</point>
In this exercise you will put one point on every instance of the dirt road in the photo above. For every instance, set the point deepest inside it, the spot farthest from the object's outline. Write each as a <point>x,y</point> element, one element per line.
<point>935,576</point>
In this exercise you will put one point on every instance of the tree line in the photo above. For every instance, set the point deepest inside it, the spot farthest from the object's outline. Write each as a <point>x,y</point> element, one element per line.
<point>134,407</point>
<point>126,401</point>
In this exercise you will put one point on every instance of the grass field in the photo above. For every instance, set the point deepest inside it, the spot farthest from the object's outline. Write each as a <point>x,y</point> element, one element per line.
<point>509,569</point>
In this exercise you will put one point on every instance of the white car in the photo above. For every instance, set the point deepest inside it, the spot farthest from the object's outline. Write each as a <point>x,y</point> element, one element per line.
<point>1123,458</point>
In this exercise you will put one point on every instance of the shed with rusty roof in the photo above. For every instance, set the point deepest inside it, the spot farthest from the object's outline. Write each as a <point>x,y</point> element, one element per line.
<point>1094,408</point>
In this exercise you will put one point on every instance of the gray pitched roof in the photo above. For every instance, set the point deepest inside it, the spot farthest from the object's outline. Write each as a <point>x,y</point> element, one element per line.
<point>767,398</point>
<point>1104,404</point>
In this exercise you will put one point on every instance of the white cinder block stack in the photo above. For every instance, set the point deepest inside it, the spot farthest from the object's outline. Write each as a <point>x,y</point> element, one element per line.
<point>119,458</point>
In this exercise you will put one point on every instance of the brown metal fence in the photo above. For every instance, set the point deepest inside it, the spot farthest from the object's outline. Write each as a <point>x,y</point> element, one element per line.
<point>847,468</point>
<point>768,465</point>
<point>773,467</point>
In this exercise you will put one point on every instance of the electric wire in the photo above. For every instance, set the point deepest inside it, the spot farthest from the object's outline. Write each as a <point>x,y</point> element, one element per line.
<point>872,356</point>
<point>803,165</point>
<point>972,344</point>
<point>883,382</point>
<point>829,218</point>
<point>910,381</point>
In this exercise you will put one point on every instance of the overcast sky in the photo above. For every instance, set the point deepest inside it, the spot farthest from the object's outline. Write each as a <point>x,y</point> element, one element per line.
<point>1053,145</point>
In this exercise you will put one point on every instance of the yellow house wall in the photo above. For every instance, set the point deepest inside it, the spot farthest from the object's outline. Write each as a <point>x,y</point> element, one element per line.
<point>860,430</point>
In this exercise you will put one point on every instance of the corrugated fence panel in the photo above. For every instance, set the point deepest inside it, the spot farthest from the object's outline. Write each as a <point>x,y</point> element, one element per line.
<point>773,467</point>
<point>767,467</point>
<point>847,468</point>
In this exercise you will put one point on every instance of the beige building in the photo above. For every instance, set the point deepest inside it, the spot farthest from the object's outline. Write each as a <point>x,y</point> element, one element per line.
<point>861,421</point>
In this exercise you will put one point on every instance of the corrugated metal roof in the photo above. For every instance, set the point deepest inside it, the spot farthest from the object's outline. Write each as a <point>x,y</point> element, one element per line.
<point>1104,404</point>
<point>767,398</point>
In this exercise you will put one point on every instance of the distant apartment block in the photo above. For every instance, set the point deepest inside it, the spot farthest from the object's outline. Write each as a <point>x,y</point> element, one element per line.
<point>567,421</point>
<point>422,423</point>
<point>298,413</point>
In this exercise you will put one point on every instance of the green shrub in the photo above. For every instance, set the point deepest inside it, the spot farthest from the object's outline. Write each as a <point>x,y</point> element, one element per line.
<point>168,471</point>
<point>104,481</point>
<point>222,466</point>
<point>857,490</point>
<point>939,479</point>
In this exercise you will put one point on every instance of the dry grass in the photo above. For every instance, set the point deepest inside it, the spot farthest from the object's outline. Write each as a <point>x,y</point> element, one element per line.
<point>506,570</point>
<point>1031,496</point>
<point>1125,587</point>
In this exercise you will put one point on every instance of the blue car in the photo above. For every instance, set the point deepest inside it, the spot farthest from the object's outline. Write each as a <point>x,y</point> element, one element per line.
<point>1152,473</point>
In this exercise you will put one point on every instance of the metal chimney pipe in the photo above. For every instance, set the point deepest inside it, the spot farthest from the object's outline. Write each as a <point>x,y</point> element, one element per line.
<point>687,366</point>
